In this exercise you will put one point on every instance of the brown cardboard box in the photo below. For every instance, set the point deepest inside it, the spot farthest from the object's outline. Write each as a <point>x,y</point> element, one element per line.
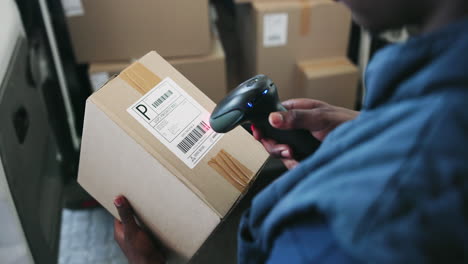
<point>119,30</point>
<point>146,136</point>
<point>333,80</point>
<point>276,35</point>
<point>207,72</point>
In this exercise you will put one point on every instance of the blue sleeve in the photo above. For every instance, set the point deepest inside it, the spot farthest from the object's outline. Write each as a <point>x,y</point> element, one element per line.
<point>307,242</point>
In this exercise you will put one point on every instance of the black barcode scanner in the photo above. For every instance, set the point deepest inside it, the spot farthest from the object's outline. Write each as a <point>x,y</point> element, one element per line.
<point>253,101</point>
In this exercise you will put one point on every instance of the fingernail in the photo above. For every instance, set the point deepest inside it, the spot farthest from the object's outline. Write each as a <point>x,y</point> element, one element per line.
<point>285,154</point>
<point>118,201</point>
<point>276,118</point>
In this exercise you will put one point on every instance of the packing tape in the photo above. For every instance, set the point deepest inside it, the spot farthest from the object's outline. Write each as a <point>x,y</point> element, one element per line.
<point>232,170</point>
<point>140,78</point>
<point>305,17</point>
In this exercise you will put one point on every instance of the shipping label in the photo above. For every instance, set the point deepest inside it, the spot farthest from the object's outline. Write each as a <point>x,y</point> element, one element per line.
<point>177,120</point>
<point>73,8</point>
<point>275,29</point>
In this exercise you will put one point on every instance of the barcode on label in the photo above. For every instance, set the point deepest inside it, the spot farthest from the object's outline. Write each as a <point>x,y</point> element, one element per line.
<point>191,139</point>
<point>274,38</point>
<point>162,98</point>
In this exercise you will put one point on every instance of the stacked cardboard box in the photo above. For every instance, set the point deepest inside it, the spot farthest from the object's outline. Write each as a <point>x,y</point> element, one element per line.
<point>208,72</point>
<point>116,30</point>
<point>301,45</point>
<point>108,34</point>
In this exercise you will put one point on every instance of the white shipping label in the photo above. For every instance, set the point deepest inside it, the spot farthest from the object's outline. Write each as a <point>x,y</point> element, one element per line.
<point>177,120</point>
<point>73,8</point>
<point>275,30</point>
<point>98,79</point>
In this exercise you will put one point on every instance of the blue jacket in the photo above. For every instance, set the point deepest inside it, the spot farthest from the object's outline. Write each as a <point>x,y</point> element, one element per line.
<point>390,186</point>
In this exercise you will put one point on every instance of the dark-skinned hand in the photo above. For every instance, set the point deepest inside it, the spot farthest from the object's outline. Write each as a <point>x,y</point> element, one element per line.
<point>318,117</point>
<point>136,244</point>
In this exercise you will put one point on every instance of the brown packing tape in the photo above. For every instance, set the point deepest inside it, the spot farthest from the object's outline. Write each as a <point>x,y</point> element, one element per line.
<point>140,78</point>
<point>305,17</point>
<point>232,170</point>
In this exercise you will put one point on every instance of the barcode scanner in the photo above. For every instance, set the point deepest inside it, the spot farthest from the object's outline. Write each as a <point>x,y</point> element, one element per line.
<point>253,101</point>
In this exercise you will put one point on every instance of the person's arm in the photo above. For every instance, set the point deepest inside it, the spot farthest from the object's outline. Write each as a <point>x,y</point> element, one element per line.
<point>307,240</point>
<point>318,117</point>
<point>134,241</point>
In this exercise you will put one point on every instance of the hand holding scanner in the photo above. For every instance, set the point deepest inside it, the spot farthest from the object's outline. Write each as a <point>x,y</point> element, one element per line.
<point>253,101</point>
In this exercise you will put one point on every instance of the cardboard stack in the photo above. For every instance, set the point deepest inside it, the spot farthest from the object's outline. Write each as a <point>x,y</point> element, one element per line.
<point>301,45</point>
<point>110,34</point>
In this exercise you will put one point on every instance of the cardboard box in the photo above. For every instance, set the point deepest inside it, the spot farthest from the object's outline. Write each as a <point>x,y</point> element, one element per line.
<point>276,35</point>
<point>146,136</point>
<point>333,80</point>
<point>207,72</point>
<point>120,30</point>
